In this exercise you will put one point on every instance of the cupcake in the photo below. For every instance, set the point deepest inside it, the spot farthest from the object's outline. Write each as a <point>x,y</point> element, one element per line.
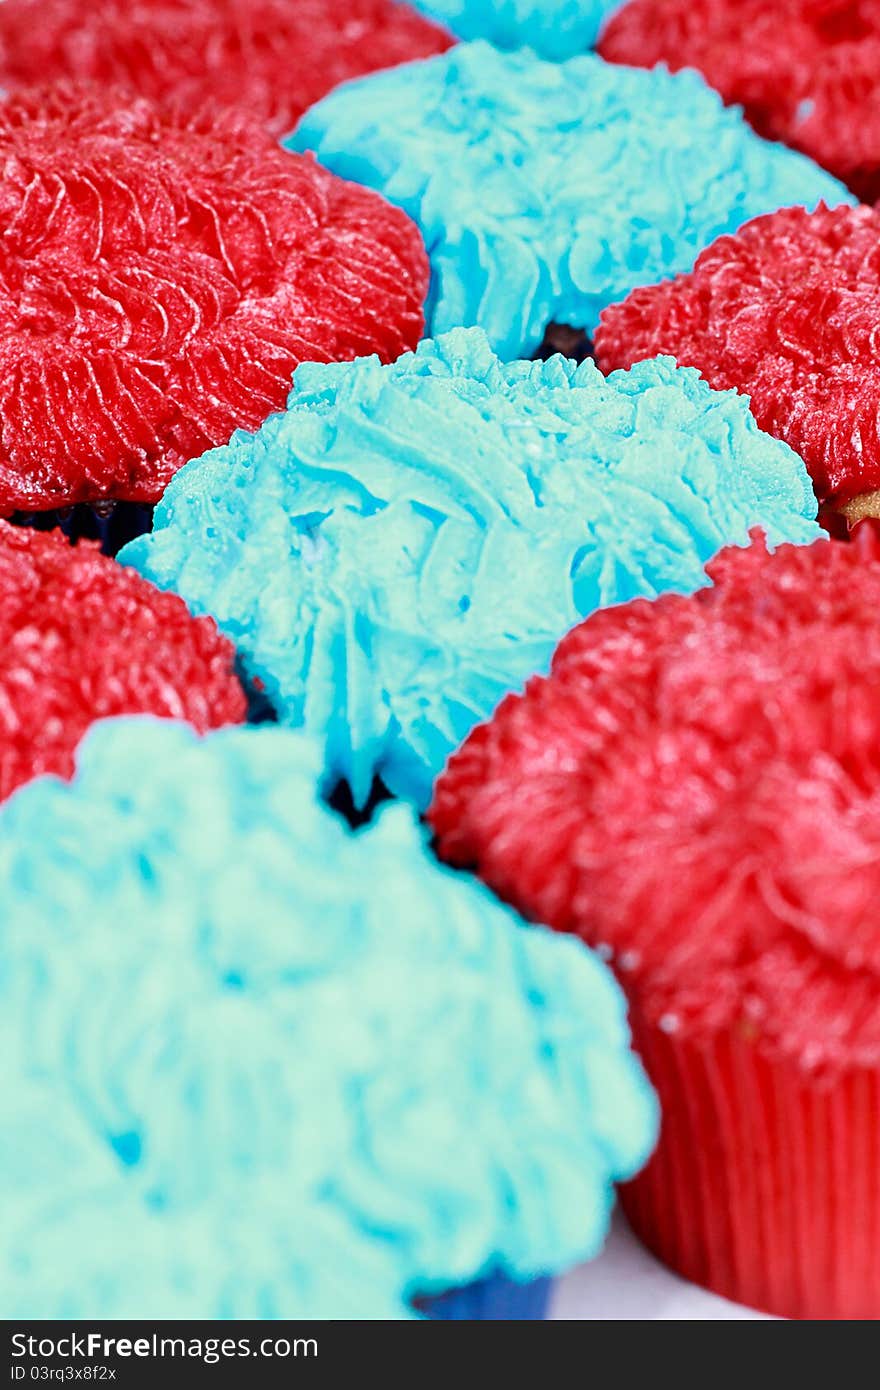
<point>409,542</point>
<point>786,312</point>
<point>804,71</point>
<point>553,28</point>
<point>695,791</point>
<point>270,59</point>
<point>80,639</point>
<point>163,275</point>
<point>545,191</point>
<point>302,1073</point>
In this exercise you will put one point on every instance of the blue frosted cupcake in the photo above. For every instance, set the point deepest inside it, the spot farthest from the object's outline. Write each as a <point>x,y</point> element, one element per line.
<point>554,28</point>
<point>256,1066</point>
<point>546,191</point>
<point>406,544</point>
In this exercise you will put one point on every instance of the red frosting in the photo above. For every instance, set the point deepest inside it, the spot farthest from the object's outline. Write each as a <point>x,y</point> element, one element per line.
<point>695,790</point>
<point>81,638</point>
<point>786,310</point>
<point>161,277</point>
<point>270,58</point>
<point>806,71</point>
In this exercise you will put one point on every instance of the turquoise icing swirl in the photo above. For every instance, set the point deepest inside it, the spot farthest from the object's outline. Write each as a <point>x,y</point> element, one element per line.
<point>258,1066</point>
<point>546,191</point>
<point>554,28</point>
<point>406,544</point>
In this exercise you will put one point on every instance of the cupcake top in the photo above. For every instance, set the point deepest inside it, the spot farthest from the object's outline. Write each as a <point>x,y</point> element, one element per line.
<point>408,543</point>
<point>786,311</point>
<point>805,71</point>
<point>554,28</point>
<point>80,639</point>
<point>695,790</point>
<point>220,1022</point>
<point>162,277</point>
<point>269,58</point>
<point>545,191</point>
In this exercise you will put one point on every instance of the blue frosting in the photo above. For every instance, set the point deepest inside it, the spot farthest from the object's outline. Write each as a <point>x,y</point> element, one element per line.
<point>554,28</point>
<point>546,191</point>
<point>408,543</point>
<point>257,1066</point>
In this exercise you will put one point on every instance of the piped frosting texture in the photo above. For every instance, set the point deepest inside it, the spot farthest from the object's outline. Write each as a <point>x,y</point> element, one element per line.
<point>408,543</point>
<point>554,28</point>
<point>805,71</point>
<point>163,273</point>
<point>219,1021</point>
<point>786,312</point>
<point>269,58</point>
<point>696,790</point>
<point>545,191</point>
<point>82,639</point>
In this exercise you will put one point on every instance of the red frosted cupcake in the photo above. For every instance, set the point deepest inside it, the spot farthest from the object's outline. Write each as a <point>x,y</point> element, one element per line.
<point>805,71</point>
<point>695,790</point>
<point>81,639</point>
<point>162,277</point>
<point>272,59</point>
<point>787,312</point>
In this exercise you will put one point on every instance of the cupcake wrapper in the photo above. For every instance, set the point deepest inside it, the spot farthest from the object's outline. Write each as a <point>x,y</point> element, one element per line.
<point>764,1187</point>
<point>113,524</point>
<point>495,1299</point>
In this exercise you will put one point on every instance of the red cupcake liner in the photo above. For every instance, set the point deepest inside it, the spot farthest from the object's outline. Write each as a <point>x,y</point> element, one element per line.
<point>765,1186</point>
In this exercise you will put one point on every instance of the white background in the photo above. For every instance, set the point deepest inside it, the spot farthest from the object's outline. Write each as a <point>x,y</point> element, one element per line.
<point>626,1282</point>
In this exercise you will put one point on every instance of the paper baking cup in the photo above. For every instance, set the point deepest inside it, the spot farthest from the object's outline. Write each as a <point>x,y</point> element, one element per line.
<point>765,1186</point>
<point>494,1299</point>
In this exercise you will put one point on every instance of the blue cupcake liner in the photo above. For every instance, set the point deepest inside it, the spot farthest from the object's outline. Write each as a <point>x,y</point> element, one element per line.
<point>494,1299</point>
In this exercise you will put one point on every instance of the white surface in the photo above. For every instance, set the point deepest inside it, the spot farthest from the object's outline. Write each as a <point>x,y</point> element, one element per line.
<point>626,1282</point>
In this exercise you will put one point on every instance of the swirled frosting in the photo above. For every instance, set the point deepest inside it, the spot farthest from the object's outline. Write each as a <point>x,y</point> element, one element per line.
<point>164,270</point>
<point>804,71</point>
<point>82,639</point>
<point>696,787</point>
<point>258,1066</point>
<point>408,543</point>
<point>269,58</point>
<point>545,191</point>
<point>785,312</point>
<point>554,28</point>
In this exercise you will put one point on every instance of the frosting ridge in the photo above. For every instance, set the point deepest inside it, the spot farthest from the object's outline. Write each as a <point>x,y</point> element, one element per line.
<point>696,787</point>
<point>554,28</point>
<point>221,1063</point>
<point>545,191</point>
<point>408,543</point>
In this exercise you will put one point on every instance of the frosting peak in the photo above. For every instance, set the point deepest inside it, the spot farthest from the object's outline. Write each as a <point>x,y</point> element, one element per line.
<point>219,1013</point>
<point>696,787</point>
<point>408,543</point>
<point>554,28</point>
<point>545,191</point>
